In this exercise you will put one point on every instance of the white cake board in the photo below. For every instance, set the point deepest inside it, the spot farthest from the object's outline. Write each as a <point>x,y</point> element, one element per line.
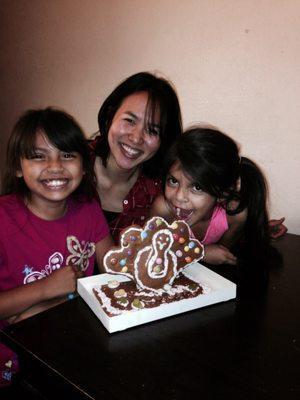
<point>221,290</point>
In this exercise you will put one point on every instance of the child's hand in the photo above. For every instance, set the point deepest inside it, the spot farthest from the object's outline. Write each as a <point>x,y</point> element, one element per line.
<point>276,228</point>
<point>62,281</point>
<point>218,254</point>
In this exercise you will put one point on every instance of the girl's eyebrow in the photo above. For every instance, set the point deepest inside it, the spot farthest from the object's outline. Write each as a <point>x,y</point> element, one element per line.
<point>35,148</point>
<point>171,176</point>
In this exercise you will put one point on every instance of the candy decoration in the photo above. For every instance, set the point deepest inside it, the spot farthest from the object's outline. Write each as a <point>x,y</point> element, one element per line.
<point>178,253</point>
<point>144,235</point>
<point>154,255</point>
<point>120,293</point>
<point>113,284</point>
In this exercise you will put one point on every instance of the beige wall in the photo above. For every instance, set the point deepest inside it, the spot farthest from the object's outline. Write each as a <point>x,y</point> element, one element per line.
<point>235,64</point>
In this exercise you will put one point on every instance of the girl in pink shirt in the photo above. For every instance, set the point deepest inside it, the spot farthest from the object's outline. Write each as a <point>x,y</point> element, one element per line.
<point>221,195</point>
<point>52,227</point>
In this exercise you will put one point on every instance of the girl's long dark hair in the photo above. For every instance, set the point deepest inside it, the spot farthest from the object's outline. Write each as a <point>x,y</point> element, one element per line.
<point>162,97</point>
<point>211,159</point>
<point>63,132</point>
<point>253,195</point>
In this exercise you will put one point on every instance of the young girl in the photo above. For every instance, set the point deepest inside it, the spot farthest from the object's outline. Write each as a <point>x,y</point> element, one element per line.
<point>221,195</point>
<point>51,226</point>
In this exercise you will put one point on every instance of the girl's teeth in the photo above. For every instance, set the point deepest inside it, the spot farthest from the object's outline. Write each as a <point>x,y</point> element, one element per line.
<point>181,213</point>
<point>55,183</point>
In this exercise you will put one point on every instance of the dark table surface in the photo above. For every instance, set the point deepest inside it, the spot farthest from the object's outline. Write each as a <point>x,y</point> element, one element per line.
<point>247,348</point>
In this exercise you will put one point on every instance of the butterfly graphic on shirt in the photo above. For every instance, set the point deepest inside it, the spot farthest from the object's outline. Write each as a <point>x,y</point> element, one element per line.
<point>80,253</point>
<point>55,261</point>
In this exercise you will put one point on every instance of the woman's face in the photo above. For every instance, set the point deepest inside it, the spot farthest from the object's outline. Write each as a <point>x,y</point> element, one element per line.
<point>133,138</point>
<point>185,199</point>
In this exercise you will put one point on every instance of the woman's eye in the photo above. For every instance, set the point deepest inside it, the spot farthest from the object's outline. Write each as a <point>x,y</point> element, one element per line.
<point>131,121</point>
<point>153,130</point>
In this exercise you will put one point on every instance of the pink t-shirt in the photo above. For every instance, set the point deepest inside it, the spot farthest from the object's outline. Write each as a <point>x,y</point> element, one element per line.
<point>32,248</point>
<point>217,227</point>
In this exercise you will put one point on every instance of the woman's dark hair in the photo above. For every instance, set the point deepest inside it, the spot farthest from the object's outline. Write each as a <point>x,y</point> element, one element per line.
<point>211,159</point>
<point>62,131</point>
<point>162,96</point>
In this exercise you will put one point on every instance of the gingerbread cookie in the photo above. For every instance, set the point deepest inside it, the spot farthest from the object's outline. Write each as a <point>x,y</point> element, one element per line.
<point>154,255</point>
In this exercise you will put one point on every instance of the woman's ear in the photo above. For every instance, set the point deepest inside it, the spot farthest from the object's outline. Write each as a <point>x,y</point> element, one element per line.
<point>19,173</point>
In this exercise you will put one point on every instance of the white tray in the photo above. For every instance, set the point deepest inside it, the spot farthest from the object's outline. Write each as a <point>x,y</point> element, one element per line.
<point>221,289</point>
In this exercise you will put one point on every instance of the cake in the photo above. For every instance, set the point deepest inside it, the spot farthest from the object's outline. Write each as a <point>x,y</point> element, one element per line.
<point>154,258</point>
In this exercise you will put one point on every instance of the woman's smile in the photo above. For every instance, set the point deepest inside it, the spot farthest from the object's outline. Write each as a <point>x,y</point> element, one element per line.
<point>130,152</point>
<point>132,138</point>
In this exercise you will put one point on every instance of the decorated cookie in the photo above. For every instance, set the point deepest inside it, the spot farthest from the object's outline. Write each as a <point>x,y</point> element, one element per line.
<point>154,255</point>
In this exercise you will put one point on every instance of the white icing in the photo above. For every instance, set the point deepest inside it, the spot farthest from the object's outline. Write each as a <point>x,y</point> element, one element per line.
<point>171,291</point>
<point>159,249</point>
<point>106,302</point>
<point>124,303</point>
<point>206,289</point>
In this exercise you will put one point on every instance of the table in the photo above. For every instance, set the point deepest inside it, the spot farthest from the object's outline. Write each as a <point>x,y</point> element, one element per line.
<point>246,348</point>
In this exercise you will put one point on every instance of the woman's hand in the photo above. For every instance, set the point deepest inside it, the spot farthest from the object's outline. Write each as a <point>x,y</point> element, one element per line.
<point>277,228</point>
<point>217,254</point>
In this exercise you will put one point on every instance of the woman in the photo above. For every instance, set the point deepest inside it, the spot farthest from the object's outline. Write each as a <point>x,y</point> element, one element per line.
<point>138,122</point>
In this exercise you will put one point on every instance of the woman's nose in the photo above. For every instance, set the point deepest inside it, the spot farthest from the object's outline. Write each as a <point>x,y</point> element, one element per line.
<point>137,135</point>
